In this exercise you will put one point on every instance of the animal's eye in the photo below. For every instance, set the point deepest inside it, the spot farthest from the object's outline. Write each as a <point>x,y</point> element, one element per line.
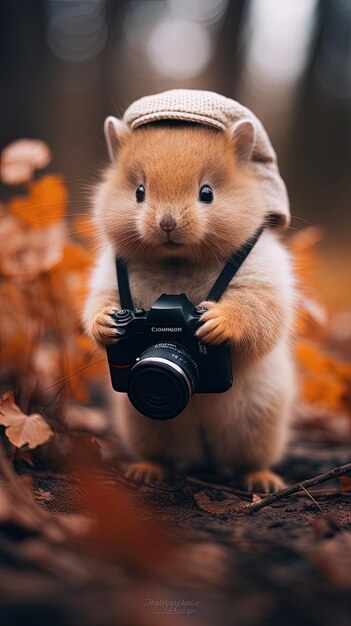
<point>206,194</point>
<point>140,193</point>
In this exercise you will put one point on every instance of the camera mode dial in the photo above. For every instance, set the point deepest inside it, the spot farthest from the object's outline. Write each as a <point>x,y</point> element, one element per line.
<point>123,315</point>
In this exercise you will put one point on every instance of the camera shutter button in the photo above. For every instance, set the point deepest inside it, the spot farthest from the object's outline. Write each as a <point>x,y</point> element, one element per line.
<point>200,310</point>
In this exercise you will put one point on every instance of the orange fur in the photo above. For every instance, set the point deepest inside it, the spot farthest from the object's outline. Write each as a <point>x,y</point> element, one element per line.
<point>173,163</point>
<point>246,427</point>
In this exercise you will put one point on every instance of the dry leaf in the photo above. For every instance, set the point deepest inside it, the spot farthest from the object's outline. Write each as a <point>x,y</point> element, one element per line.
<point>32,151</point>
<point>326,381</point>
<point>21,158</point>
<point>16,173</point>
<point>215,505</point>
<point>22,429</point>
<point>45,204</point>
<point>345,484</point>
<point>27,253</point>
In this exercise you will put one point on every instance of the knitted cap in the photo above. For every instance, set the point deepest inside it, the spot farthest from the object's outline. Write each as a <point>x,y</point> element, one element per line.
<point>212,109</point>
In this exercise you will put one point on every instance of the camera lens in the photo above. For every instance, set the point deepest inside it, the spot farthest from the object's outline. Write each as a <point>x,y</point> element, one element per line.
<point>163,380</point>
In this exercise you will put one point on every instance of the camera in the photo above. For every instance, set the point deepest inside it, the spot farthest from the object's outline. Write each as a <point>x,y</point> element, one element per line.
<point>160,363</point>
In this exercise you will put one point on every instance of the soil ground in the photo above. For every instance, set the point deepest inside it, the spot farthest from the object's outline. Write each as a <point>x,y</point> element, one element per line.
<point>286,564</point>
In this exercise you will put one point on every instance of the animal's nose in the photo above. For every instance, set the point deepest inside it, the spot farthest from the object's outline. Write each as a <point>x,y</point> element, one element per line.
<point>168,223</point>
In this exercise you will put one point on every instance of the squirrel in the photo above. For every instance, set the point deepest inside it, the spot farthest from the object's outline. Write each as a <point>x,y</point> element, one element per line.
<point>152,209</point>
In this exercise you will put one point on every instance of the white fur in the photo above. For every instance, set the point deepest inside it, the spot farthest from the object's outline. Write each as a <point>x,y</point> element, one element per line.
<point>245,427</point>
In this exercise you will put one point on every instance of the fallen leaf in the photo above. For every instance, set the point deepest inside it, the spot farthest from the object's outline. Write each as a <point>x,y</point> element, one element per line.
<point>345,484</point>
<point>22,429</point>
<point>214,504</point>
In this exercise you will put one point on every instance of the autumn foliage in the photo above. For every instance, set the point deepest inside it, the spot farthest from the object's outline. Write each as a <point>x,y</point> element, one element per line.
<point>325,377</point>
<point>46,361</point>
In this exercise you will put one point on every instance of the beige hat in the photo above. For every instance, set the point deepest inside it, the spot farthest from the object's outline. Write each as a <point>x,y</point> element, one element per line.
<point>207,107</point>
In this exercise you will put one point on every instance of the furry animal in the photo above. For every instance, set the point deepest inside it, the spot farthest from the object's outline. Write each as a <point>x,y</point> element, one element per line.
<point>150,210</point>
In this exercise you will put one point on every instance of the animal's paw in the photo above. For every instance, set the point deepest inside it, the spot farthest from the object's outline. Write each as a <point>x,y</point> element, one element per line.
<point>104,326</point>
<point>145,472</point>
<point>218,324</point>
<point>263,481</point>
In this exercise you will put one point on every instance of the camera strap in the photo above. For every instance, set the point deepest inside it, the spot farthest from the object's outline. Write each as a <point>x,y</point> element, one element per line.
<point>228,272</point>
<point>123,285</point>
<point>232,267</point>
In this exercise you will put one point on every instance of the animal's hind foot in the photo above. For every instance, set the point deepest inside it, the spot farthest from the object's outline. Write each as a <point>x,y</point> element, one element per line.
<point>263,481</point>
<point>145,472</point>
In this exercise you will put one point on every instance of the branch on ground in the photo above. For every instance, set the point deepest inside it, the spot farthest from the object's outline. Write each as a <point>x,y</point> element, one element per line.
<point>301,486</point>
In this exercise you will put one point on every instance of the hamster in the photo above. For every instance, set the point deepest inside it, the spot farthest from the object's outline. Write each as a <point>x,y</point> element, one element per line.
<point>151,210</point>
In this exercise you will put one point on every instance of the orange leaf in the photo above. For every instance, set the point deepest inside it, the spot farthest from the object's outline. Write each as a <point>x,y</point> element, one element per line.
<point>45,204</point>
<point>75,258</point>
<point>23,429</point>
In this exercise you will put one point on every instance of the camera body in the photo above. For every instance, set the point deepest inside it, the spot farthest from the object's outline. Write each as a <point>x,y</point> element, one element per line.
<point>159,360</point>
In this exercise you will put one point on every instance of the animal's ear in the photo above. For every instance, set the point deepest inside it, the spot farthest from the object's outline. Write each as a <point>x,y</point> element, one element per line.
<point>242,135</point>
<point>116,132</point>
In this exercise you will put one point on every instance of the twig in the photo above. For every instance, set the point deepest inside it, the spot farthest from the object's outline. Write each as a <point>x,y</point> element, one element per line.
<point>288,491</point>
<point>311,497</point>
<point>241,493</point>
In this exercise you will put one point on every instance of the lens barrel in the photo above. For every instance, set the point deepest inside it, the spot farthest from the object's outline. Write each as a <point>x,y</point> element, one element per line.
<point>163,380</point>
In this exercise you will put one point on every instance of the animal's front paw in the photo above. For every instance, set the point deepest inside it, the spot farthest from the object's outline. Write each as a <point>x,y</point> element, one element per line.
<point>145,472</point>
<point>218,324</point>
<point>104,326</point>
<point>263,481</point>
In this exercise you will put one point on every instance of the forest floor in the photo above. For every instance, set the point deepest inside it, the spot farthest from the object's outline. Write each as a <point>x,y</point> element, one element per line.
<point>286,564</point>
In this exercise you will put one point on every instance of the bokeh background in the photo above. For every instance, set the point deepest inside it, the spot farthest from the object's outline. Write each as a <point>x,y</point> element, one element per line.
<point>66,64</point>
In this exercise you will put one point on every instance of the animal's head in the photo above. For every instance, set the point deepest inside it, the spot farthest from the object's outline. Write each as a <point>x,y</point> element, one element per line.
<point>179,190</point>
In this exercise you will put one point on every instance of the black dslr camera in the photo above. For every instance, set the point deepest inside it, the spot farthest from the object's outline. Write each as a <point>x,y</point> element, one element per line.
<point>160,362</point>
